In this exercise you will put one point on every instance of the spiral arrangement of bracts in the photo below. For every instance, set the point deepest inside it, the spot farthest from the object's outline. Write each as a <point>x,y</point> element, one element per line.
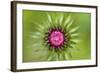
<point>57,37</point>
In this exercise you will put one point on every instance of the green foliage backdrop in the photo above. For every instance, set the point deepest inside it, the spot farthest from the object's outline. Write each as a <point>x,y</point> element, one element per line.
<point>38,53</point>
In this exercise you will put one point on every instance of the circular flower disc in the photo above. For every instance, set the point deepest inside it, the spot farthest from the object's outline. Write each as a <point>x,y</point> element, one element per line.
<point>56,38</point>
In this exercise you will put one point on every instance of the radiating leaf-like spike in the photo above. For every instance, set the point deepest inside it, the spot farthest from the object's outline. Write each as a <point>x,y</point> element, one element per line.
<point>47,24</point>
<point>39,26</point>
<point>67,21</point>
<point>51,55</point>
<point>38,48</point>
<point>61,19</point>
<point>70,55</point>
<point>56,56</point>
<point>66,56</point>
<point>50,58</point>
<point>49,18</point>
<point>69,24</point>
<point>71,45</point>
<point>36,34</point>
<point>74,29</point>
<point>37,44</point>
<point>52,18</point>
<point>60,56</point>
<point>56,20</point>
<point>75,40</point>
<point>74,34</point>
<point>74,49</point>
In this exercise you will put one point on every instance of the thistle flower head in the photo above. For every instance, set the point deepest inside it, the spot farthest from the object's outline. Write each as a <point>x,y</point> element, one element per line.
<point>57,37</point>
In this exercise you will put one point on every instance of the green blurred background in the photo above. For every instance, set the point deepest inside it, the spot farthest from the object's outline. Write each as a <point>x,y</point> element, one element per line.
<point>83,20</point>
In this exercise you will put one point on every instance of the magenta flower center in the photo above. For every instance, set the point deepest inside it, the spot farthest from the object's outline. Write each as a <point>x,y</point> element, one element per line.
<point>56,38</point>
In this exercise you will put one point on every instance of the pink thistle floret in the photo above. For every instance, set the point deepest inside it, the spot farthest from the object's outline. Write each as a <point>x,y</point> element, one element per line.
<point>56,38</point>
